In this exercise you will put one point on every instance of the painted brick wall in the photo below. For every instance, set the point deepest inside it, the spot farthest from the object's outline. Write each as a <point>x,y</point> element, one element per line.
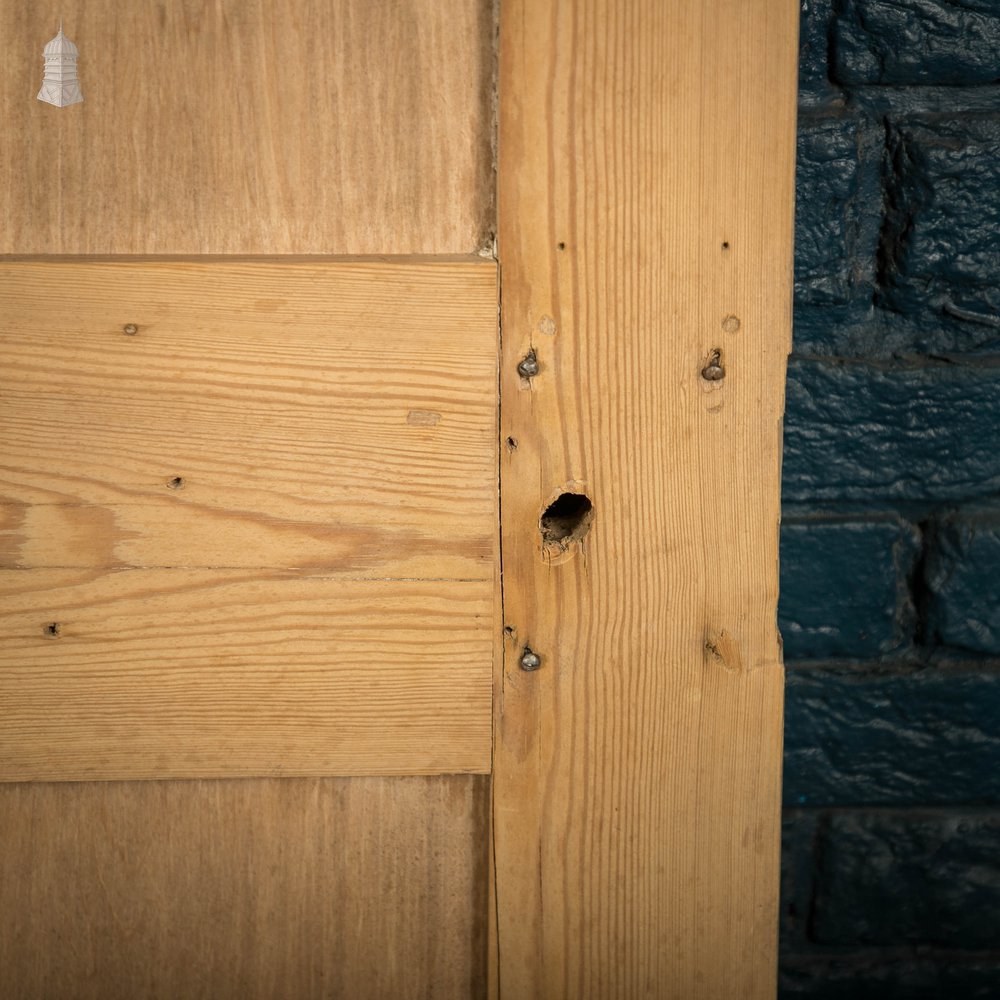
<point>890,605</point>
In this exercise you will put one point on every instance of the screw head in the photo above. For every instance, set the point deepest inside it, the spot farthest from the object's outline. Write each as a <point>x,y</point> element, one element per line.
<point>131,329</point>
<point>528,366</point>
<point>530,660</point>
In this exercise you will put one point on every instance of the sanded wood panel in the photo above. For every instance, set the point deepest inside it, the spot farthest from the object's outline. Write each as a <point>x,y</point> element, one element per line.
<point>192,673</point>
<point>243,126</point>
<point>336,417</point>
<point>645,240</point>
<point>248,518</point>
<point>244,890</point>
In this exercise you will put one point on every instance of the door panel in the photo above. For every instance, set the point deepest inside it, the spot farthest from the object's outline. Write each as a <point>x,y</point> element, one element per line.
<point>243,890</point>
<point>317,594</point>
<point>246,127</point>
<point>248,519</point>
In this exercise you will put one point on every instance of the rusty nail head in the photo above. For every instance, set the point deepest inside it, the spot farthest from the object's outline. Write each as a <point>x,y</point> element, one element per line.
<point>530,660</point>
<point>714,371</point>
<point>528,365</point>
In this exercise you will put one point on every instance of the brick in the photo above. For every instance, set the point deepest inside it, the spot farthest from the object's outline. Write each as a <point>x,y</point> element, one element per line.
<point>844,589</point>
<point>944,42</point>
<point>939,251</point>
<point>837,180</point>
<point>962,579</point>
<point>798,831</point>
<point>926,736</point>
<point>867,432</point>
<point>867,976</point>
<point>814,44</point>
<point>904,877</point>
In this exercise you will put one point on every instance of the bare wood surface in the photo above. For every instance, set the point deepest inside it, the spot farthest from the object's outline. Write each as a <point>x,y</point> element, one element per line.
<point>337,417</point>
<point>254,535</point>
<point>354,126</point>
<point>198,673</point>
<point>645,212</point>
<point>244,890</point>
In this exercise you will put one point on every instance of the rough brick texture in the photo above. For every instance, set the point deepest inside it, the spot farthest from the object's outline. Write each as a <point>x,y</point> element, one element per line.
<point>891,974</point>
<point>945,42</point>
<point>896,878</point>
<point>914,736</point>
<point>961,575</point>
<point>835,231</point>
<point>845,582</point>
<point>890,599</point>
<point>866,432</point>
<point>939,253</point>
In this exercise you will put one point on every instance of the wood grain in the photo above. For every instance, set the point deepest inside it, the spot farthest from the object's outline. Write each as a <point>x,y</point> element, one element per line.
<point>645,212</point>
<point>244,890</point>
<point>195,673</point>
<point>334,417</point>
<point>263,524</point>
<point>349,127</point>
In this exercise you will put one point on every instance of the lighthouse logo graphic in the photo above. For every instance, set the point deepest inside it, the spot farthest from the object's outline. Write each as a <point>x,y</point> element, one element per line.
<point>60,85</point>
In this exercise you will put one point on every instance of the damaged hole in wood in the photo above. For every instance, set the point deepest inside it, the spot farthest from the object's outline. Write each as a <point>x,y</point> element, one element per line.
<point>51,631</point>
<point>509,631</point>
<point>511,443</point>
<point>177,483</point>
<point>565,522</point>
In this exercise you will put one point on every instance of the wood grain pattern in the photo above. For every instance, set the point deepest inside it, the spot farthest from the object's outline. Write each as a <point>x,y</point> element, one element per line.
<point>349,127</point>
<point>188,673</point>
<point>645,211</point>
<point>244,890</point>
<point>335,417</point>
<point>263,524</point>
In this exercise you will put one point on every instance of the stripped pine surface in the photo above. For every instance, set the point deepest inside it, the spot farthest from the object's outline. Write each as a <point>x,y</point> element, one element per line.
<point>244,890</point>
<point>247,518</point>
<point>240,127</point>
<point>200,673</point>
<point>645,241</point>
<point>337,417</point>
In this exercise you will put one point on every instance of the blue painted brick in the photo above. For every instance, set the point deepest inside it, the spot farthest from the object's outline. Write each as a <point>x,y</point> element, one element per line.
<point>877,974</point>
<point>929,736</point>
<point>940,253</point>
<point>798,834</point>
<point>837,178</point>
<point>962,577</point>
<point>917,42</point>
<point>908,877</point>
<point>865,432</point>
<point>814,43</point>
<point>844,586</point>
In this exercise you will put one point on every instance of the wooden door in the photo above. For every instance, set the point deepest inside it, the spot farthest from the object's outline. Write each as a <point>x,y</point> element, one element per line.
<point>352,643</point>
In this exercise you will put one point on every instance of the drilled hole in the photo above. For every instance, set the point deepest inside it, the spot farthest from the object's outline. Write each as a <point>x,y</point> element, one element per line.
<point>560,246</point>
<point>51,631</point>
<point>725,244</point>
<point>565,522</point>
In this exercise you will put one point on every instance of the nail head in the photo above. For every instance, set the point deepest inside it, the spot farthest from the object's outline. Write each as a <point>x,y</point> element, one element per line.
<point>528,366</point>
<point>530,660</point>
